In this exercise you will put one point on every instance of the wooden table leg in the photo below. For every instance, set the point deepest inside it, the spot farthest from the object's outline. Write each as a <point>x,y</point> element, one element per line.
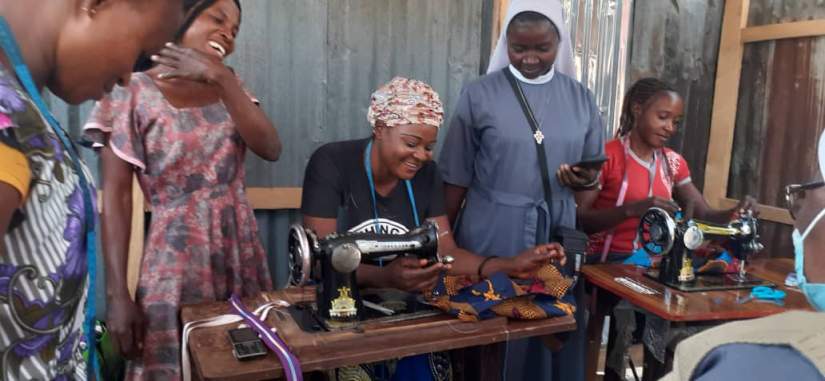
<point>595,322</point>
<point>653,369</point>
<point>481,363</point>
<point>609,373</point>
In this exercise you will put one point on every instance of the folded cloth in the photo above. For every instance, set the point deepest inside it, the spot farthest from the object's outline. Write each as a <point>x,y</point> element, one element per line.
<point>640,258</point>
<point>544,295</point>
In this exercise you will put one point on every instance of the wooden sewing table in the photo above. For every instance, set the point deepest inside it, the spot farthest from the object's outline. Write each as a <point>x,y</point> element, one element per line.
<point>211,354</point>
<point>680,307</point>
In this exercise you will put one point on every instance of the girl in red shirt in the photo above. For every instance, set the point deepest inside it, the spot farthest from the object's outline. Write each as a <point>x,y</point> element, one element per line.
<point>640,173</point>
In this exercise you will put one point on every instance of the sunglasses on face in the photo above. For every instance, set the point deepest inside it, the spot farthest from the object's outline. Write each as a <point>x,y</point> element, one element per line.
<point>796,192</point>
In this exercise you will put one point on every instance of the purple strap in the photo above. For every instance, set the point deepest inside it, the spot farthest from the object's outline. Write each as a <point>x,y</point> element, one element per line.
<point>290,363</point>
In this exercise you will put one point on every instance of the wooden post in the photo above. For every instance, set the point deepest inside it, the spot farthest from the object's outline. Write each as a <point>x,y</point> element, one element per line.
<point>735,34</point>
<point>499,13</point>
<point>725,99</point>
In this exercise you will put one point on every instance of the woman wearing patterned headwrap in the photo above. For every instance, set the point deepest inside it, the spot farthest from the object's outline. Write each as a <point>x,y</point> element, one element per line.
<point>405,115</point>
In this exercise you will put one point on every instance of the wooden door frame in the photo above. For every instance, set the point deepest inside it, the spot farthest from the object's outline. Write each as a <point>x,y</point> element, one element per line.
<point>735,34</point>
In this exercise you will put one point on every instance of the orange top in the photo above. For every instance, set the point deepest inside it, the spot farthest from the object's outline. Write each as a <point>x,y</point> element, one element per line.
<point>14,169</point>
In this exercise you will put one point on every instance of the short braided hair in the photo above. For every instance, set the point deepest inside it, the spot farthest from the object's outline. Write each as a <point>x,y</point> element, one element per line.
<point>640,93</point>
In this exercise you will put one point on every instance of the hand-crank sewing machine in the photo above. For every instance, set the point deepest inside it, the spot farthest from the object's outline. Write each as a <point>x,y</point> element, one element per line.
<point>333,261</point>
<point>676,239</point>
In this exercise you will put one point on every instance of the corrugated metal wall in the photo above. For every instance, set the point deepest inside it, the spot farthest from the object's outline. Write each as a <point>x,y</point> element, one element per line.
<point>780,112</point>
<point>314,63</point>
<point>678,42</point>
<point>599,32</point>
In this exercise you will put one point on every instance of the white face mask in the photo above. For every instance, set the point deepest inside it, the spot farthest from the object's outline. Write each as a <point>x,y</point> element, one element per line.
<point>815,292</point>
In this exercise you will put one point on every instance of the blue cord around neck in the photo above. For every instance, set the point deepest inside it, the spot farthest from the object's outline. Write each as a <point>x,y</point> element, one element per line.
<point>12,51</point>
<point>407,183</point>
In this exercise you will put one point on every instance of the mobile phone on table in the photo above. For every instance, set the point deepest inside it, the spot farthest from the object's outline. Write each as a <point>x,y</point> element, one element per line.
<point>245,344</point>
<point>592,163</point>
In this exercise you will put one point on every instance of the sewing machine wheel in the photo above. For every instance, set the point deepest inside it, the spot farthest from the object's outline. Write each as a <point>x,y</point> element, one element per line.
<point>299,256</point>
<point>657,231</point>
<point>693,237</point>
<point>346,258</point>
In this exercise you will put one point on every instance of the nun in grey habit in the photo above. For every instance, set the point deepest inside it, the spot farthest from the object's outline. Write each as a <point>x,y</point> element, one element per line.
<point>489,161</point>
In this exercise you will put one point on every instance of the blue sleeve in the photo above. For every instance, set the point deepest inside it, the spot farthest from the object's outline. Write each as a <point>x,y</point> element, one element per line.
<point>457,158</point>
<point>594,140</point>
<point>753,362</point>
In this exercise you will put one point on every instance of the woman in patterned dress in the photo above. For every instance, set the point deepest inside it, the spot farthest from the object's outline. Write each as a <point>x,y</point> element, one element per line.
<point>44,219</point>
<point>183,127</point>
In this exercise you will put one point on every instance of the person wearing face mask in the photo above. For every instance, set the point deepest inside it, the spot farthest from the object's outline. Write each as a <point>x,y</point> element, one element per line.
<point>490,161</point>
<point>183,127</point>
<point>787,346</point>
<point>47,195</point>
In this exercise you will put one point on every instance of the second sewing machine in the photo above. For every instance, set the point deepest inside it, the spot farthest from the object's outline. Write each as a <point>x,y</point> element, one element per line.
<point>677,237</point>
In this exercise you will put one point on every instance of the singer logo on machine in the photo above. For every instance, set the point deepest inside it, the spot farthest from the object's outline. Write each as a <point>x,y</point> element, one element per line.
<point>384,225</point>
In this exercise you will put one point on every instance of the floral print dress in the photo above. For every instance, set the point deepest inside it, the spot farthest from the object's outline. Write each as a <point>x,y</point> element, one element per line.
<point>203,241</point>
<point>43,278</point>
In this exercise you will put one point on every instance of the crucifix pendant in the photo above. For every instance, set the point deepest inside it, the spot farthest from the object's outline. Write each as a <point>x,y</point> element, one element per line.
<point>538,136</point>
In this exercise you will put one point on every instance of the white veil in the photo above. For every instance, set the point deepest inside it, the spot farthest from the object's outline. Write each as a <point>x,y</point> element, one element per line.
<point>550,8</point>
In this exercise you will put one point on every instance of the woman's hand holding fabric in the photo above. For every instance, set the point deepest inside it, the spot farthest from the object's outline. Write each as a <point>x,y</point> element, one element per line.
<point>529,261</point>
<point>413,274</point>
<point>126,324</point>
<point>577,178</point>
<point>192,65</point>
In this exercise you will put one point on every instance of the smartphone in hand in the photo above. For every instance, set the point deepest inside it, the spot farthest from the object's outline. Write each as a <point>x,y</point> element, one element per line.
<point>592,163</point>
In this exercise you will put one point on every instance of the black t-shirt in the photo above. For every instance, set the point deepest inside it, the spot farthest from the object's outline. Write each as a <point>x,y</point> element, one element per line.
<point>336,186</point>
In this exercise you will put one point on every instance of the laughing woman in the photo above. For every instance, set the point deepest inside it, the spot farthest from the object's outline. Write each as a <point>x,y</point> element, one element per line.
<point>389,181</point>
<point>183,128</point>
<point>47,198</point>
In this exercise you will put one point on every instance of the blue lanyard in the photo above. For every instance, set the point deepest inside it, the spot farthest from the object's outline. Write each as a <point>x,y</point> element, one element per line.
<point>368,166</point>
<point>12,51</point>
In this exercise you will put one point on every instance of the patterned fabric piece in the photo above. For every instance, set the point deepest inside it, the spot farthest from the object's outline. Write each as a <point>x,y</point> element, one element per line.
<point>43,272</point>
<point>545,295</point>
<point>203,240</point>
<point>405,101</point>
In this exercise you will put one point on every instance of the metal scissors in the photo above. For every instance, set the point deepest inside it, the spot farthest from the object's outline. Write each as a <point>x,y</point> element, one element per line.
<point>764,293</point>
